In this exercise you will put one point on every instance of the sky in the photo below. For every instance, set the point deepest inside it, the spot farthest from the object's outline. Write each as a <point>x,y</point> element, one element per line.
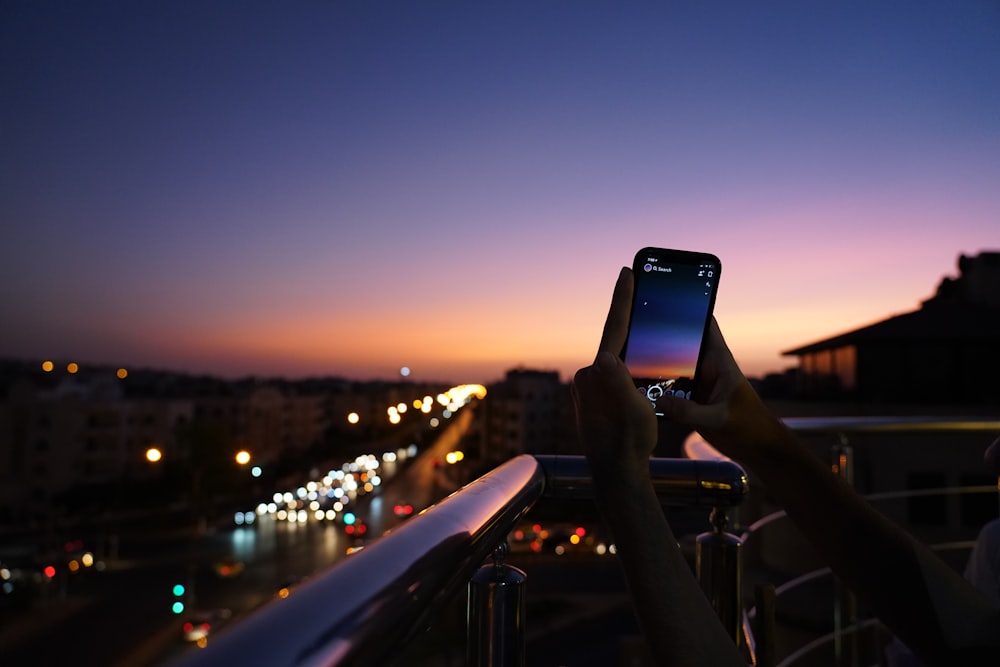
<point>349,187</point>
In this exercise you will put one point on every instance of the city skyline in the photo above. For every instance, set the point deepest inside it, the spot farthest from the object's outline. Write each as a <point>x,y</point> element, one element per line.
<point>346,189</point>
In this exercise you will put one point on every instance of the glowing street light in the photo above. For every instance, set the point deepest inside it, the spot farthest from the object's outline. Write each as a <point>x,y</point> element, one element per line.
<point>154,455</point>
<point>243,457</point>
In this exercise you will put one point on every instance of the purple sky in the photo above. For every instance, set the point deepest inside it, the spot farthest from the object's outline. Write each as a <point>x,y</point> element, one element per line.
<point>349,187</point>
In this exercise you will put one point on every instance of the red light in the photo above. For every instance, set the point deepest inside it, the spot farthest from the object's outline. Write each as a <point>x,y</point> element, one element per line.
<point>362,529</point>
<point>206,627</point>
<point>49,571</point>
<point>536,546</point>
<point>537,528</point>
<point>225,570</point>
<point>349,530</point>
<point>188,627</point>
<point>581,531</point>
<point>518,535</point>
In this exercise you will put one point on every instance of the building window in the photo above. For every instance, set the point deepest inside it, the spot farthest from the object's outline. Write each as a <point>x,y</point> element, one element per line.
<point>845,360</point>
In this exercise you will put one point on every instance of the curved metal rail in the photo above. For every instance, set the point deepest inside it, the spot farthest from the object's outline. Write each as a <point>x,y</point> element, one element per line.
<point>365,609</point>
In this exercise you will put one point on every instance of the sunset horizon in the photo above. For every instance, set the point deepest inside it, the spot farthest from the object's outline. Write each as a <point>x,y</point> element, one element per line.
<point>239,361</point>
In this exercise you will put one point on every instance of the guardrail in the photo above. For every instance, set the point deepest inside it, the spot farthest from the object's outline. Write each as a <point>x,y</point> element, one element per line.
<point>759,622</point>
<point>368,607</point>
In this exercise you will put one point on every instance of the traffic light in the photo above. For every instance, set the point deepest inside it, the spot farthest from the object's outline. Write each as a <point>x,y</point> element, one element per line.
<point>178,606</point>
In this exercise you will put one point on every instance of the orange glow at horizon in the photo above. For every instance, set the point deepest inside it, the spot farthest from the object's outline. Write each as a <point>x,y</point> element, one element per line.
<point>492,328</point>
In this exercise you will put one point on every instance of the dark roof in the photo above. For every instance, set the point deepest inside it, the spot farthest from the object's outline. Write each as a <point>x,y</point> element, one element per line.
<point>934,322</point>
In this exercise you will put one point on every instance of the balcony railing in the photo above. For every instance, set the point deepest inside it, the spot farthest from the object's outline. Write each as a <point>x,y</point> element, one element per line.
<point>369,607</point>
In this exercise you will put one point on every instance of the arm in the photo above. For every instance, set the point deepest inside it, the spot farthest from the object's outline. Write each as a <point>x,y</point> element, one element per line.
<point>618,430</point>
<point>923,600</point>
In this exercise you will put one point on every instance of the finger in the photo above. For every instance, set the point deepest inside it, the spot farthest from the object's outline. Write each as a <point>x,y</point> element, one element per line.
<point>614,374</point>
<point>616,325</point>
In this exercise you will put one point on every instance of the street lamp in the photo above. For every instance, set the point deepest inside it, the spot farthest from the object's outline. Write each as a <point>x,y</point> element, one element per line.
<point>154,455</point>
<point>243,457</point>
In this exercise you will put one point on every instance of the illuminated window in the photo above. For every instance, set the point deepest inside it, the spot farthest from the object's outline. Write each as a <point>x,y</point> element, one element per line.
<point>845,360</point>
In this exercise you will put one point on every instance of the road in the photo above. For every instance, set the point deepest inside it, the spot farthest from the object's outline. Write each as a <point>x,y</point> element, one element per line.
<point>121,616</point>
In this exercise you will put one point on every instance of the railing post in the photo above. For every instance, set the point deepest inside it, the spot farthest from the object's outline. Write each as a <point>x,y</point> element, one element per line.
<point>719,568</point>
<point>845,605</point>
<point>764,631</point>
<point>495,615</point>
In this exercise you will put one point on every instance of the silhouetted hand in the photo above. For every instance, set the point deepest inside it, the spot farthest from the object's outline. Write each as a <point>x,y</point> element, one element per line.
<point>725,410</point>
<point>616,423</point>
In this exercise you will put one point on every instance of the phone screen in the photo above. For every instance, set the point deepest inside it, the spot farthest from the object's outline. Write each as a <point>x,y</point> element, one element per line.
<point>673,301</point>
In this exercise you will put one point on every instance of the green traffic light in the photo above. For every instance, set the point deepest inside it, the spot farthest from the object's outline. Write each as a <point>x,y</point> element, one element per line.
<point>178,607</point>
<point>178,590</point>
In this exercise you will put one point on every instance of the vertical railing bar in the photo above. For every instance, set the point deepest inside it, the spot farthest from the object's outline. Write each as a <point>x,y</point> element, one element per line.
<point>845,610</point>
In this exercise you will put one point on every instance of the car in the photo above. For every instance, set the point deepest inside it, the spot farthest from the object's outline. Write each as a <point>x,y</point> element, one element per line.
<point>358,529</point>
<point>402,510</point>
<point>229,567</point>
<point>200,624</point>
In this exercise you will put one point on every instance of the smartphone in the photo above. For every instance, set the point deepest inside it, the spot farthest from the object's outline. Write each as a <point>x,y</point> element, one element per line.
<point>671,308</point>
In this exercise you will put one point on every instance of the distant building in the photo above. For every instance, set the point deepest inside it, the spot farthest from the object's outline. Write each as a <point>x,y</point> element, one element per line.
<point>265,419</point>
<point>525,413</point>
<point>77,433</point>
<point>948,351</point>
<point>90,428</point>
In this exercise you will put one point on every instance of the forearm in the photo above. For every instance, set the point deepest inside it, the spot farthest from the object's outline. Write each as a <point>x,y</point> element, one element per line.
<point>920,597</point>
<point>676,617</point>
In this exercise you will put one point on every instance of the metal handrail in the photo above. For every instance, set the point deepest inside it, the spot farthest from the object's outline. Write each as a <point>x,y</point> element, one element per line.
<point>368,605</point>
<point>708,483</point>
<point>366,608</point>
<point>884,424</point>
